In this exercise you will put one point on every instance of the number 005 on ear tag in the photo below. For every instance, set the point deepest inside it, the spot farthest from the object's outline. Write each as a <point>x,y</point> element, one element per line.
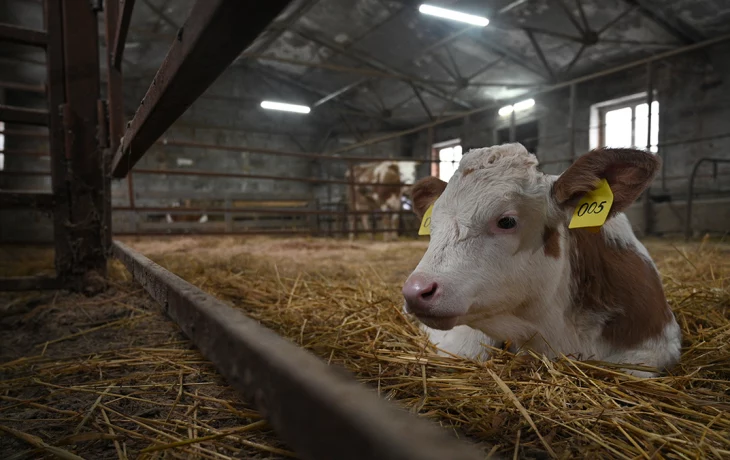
<point>593,208</point>
<point>425,228</point>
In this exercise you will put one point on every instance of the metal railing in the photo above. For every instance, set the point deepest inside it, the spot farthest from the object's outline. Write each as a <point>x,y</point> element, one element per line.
<point>691,190</point>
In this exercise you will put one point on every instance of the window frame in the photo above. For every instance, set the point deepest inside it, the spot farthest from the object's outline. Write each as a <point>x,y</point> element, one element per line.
<point>436,149</point>
<point>600,110</point>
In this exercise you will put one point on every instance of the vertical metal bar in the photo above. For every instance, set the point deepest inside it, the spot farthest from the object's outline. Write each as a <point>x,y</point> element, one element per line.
<point>571,122</point>
<point>130,190</point>
<point>56,97</point>
<point>435,167</point>
<point>228,216</point>
<point>114,78</point>
<point>649,102</point>
<point>352,202</point>
<point>648,211</point>
<point>81,67</point>
<point>103,142</point>
<point>329,203</point>
<point>512,127</point>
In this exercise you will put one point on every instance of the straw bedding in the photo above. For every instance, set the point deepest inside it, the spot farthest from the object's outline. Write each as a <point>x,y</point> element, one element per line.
<point>342,301</point>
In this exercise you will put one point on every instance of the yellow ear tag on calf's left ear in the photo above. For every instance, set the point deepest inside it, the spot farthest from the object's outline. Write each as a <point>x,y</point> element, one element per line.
<point>425,228</point>
<point>592,210</point>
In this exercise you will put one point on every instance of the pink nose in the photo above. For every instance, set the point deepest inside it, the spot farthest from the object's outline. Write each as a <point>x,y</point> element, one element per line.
<point>420,294</point>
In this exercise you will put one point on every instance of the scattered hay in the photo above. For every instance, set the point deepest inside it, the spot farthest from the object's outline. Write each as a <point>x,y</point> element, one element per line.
<point>346,308</point>
<point>151,395</point>
<point>110,377</point>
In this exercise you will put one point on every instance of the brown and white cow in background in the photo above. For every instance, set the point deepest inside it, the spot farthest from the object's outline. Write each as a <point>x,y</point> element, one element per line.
<point>502,264</point>
<point>386,196</point>
<point>187,217</point>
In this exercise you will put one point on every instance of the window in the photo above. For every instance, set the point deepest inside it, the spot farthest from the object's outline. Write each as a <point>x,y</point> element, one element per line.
<point>448,155</point>
<point>623,123</point>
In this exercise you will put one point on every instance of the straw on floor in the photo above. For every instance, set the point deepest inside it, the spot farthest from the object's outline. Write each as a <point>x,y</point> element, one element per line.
<point>343,303</point>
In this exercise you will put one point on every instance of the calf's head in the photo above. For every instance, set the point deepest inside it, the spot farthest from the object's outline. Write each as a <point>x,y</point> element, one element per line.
<point>498,230</point>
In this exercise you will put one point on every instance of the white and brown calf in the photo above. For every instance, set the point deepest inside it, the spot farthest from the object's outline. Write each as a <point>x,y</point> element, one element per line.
<point>502,264</point>
<point>385,196</point>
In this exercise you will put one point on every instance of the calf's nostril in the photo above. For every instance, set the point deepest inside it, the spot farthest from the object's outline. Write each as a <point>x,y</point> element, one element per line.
<point>430,291</point>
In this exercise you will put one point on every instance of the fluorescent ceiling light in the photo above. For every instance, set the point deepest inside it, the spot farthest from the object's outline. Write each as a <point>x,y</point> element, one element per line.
<point>455,15</point>
<point>519,106</point>
<point>523,105</point>
<point>285,107</point>
<point>504,111</point>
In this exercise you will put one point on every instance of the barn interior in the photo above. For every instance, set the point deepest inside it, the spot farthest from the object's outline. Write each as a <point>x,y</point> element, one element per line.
<point>183,273</point>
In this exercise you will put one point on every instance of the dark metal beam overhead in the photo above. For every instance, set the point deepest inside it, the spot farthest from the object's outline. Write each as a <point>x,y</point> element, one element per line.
<point>273,32</point>
<point>540,54</point>
<point>672,25</point>
<point>214,34</point>
<point>161,14</point>
<point>285,79</point>
<point>122,28</point>
<point>423,103</point>
<point>372,62</point>
<point>340,92</point>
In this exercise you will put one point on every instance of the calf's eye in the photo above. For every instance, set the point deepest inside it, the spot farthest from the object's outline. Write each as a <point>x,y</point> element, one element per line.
<point>507,223</point>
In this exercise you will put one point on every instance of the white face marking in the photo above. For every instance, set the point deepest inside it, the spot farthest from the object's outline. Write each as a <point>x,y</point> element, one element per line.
<point>486,268</point>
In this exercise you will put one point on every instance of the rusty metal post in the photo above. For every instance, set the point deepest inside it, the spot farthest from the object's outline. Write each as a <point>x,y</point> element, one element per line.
<point>114,82</point>
<point>64,260</point>
<point>86,185</point>
<point>130,193</point>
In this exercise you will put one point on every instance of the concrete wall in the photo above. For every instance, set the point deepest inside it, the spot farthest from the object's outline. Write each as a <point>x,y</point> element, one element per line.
<point>693,92</point>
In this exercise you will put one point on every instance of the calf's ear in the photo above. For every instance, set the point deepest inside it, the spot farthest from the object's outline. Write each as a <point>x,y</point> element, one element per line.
<point>628,172</point>
<point>425,192</point>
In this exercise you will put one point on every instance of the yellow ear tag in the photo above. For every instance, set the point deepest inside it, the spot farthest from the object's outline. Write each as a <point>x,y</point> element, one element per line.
<point>425,228</point>
<point>592,210</point>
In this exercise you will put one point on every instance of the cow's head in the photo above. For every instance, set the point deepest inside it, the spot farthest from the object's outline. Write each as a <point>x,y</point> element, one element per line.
<point>498,231</point>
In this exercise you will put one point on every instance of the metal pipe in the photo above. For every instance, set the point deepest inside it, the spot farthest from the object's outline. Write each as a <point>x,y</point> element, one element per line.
<point>303,155</point>
<point>40,89</point>
<point>690,193</point>
<point>22,35</point>
<point>195,231</point>
<point>262,210</point>
<point>311,180</point>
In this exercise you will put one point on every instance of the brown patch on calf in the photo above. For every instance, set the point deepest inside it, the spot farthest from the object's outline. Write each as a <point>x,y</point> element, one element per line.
<point>425,192</point>
<point>551,242</point>
<point>620,284</point>
<point>628,172</point>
